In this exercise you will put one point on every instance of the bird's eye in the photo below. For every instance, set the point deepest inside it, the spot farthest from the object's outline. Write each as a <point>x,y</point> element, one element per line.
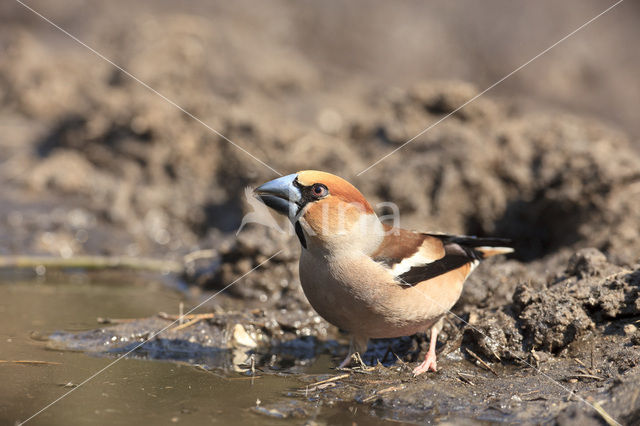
<point>319,190</point>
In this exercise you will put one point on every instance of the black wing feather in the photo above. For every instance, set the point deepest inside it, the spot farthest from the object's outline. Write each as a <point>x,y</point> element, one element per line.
<point>455,257</point>
<point>459,250</point>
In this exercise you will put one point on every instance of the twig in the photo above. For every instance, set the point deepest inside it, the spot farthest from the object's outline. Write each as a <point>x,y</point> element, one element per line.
<point>359,360</point>
<point>192,319</point>
<point>29,362</point>
<point>586,376</point>
<point>484,364</point>
<point>102,320</point>
<point>581,363</point>
<point>169,317</point>
<point>605,416</point>
<point>361,367</point>
<point>92,262</point>
<point>402,363</point>
<point>382,392</point>
<point>331,379</point>
<point>322,384</point>
<point>536,398</point>
<point>186,324</point>
<point>464,379</point>
<point>253,364</point>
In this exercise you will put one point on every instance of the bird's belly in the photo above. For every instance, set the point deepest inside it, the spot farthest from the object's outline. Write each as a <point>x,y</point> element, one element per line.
<point>368,305</point>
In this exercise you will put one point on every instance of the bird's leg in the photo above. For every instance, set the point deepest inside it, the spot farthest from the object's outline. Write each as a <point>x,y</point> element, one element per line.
<point>429,362</point>
<point>347,361</point>
<point>358,344</point>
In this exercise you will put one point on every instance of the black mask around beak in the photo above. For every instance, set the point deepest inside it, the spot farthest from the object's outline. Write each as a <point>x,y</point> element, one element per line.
<point>282,195</point>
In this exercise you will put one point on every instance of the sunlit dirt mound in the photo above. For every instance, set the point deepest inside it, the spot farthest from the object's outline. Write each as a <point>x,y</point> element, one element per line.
<point>549,182</point>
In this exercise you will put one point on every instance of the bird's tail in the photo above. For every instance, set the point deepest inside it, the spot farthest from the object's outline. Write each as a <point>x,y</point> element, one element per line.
<point>488,251</point>
<point>481,248</point>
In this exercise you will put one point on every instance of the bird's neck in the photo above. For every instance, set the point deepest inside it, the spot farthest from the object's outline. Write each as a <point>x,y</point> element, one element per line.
<point>362,236</point>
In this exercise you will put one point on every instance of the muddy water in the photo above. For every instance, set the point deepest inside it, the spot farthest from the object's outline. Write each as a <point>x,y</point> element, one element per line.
<point>130,391</point>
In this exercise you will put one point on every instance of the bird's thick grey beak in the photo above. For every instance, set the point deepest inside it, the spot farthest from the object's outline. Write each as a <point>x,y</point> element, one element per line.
<point>282,195</point>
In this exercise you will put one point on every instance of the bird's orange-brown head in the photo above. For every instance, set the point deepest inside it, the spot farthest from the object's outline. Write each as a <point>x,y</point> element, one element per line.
<point>324,205</point>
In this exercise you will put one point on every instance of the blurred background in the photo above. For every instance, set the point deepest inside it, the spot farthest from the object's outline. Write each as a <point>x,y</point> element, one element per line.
<point>93,162</point>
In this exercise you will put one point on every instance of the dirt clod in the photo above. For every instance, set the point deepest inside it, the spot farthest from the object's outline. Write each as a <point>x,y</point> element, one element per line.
<point>560,312</point>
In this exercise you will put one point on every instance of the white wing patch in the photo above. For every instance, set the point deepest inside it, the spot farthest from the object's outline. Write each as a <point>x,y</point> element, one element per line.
<point>419,258</point>
<point>474,265</point>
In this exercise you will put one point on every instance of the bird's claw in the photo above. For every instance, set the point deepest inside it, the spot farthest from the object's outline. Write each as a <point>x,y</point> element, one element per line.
<point>429,363</point>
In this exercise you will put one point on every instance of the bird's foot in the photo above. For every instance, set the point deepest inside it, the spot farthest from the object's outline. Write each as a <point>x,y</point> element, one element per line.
<point>429,363</point>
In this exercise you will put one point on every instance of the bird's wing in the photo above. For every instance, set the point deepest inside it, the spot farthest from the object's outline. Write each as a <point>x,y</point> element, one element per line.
<point>414,257</point>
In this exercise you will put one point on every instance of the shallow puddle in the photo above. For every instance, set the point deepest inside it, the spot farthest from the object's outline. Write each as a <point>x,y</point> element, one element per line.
<point>129,391</point>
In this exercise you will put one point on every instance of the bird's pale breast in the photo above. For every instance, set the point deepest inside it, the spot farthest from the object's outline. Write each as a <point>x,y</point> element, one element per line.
<point>361,296</point>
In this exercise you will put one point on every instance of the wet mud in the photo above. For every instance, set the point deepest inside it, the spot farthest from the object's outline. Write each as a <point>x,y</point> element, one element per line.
<point>556,351</point>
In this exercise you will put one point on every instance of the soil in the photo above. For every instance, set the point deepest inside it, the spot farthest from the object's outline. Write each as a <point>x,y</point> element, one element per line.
<point>92,163</point>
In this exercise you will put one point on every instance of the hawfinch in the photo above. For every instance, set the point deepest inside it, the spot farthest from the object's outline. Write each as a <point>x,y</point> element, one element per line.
<point>366,277</point>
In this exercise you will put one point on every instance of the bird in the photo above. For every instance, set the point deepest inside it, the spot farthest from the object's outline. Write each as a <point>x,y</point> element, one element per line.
<point>366,277</point>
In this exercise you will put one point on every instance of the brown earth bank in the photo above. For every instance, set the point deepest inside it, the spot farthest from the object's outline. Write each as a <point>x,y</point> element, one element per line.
<point>90,163</point>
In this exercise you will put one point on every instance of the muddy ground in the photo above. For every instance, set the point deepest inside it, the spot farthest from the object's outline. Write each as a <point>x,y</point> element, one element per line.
<point>91,163</point>
<point>557,350</point>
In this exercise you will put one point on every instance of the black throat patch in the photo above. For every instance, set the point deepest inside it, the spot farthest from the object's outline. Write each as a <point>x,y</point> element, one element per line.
<point>300,234</point>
